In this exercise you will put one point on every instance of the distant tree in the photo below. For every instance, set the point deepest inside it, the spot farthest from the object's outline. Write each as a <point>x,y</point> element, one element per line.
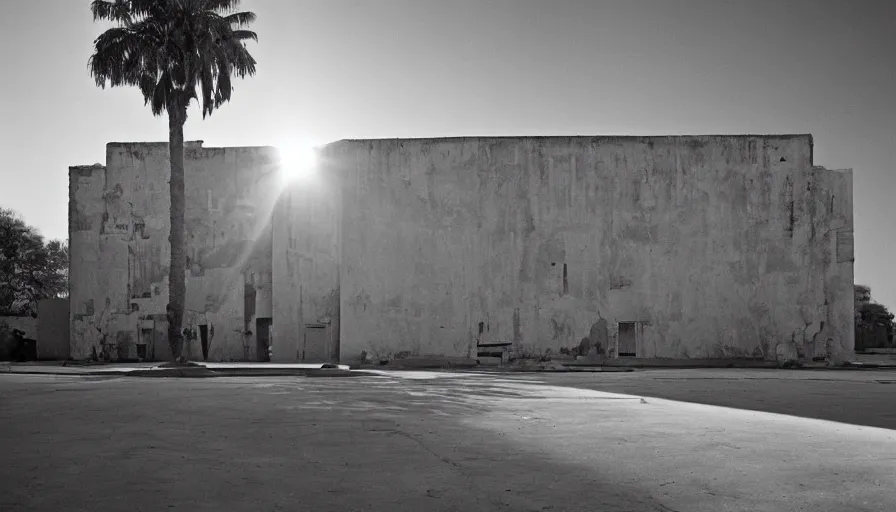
<point>872,318</point>
<point>862,294</point>
<point>174,51</point>
<point>30,269</point>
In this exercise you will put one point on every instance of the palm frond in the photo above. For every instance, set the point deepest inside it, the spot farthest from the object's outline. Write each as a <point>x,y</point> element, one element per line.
<point>119,54</point>
<point>221,5</point>
<point>112,10</point>
<point>242,35</point>
<point>240,19</point>
<point>161,94</point>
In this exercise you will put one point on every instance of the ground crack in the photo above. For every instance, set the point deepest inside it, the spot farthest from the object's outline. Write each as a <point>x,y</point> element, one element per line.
<point>422,445</point>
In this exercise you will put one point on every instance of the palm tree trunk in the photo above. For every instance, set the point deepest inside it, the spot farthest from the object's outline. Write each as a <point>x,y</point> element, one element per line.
<point>177,288</point>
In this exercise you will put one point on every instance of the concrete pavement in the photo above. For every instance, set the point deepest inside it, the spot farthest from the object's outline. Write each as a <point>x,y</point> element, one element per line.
<point>440,441</point>
<point>857,397</point>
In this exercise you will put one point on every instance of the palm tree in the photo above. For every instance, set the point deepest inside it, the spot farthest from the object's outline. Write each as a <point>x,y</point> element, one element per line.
<point>174,51</point>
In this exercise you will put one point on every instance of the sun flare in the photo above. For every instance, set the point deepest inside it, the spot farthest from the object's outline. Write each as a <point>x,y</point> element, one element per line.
<point>298,159</point>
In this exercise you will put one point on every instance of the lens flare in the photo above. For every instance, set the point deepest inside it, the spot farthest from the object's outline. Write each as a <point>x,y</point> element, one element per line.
<point>298,160</point>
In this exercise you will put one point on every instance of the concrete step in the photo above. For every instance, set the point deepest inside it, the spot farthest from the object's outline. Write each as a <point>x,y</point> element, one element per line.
<point>430,362</point>
<point>874,358</point>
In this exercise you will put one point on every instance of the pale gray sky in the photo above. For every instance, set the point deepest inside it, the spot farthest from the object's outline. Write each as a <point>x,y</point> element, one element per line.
<point>332,69</point>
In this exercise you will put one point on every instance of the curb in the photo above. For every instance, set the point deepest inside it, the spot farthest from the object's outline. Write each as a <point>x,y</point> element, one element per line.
<point>568,369</point>
<point>201,373</point>
<point>581,368</point>
<point>195,373</point>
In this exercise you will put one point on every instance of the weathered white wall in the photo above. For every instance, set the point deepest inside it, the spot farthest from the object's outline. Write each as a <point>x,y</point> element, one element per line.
<point>306,266</point>
<point>119,223</point>
<point>717,246</point>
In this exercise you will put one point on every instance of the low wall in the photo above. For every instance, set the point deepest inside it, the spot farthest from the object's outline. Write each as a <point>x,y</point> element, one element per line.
<point>52,329</point>
<point>26,324</point>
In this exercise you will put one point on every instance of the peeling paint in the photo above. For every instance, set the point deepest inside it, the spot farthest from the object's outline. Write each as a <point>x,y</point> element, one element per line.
<point>717,246</point>
<point>120,251</point>
<point>713,244</point>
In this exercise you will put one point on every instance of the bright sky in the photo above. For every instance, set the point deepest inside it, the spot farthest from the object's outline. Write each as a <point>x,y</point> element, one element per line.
<point>332,69</point>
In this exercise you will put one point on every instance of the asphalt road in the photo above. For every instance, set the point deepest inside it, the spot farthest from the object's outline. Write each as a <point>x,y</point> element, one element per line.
<point>442,441</point>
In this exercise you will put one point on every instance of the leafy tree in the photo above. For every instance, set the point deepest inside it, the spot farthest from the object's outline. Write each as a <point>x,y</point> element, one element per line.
<point>862,294</point>
<point>30,269</point>
<point>872,318</point>
<point>174,51</point>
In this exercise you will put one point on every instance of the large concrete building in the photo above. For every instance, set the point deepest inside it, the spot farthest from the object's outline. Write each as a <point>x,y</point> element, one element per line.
<point>649,247</point>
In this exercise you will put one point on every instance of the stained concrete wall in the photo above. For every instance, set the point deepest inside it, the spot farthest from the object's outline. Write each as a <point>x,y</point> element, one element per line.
<point>306,265</point>
<point>728,246</point>
<point>119,249</point>
<point>53,329</point>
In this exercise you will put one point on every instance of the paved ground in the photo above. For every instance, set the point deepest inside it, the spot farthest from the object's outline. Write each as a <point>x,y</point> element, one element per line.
<point>866,397</point>
<point>441,441</point>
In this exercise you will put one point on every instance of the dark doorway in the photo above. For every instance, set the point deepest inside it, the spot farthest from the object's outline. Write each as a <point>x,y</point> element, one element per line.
<point>203,340</point>
<point>263,339</point>
<point>627,339</point>
<point>146,338</point>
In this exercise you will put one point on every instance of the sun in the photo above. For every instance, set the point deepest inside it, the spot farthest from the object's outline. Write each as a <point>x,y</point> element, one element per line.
<point>298,159</point>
